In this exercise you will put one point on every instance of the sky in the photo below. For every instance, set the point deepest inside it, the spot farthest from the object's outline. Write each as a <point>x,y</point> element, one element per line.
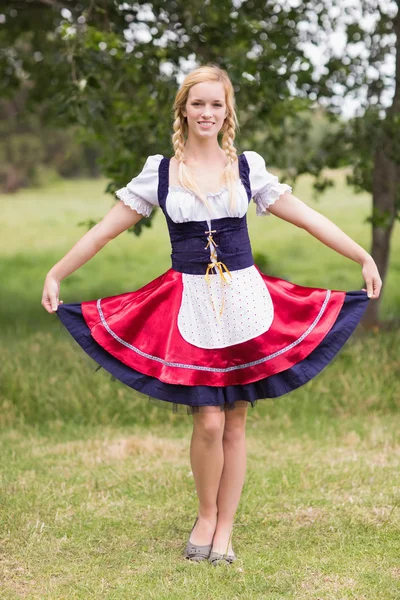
<point>346,11</point>
<point>332,43</point>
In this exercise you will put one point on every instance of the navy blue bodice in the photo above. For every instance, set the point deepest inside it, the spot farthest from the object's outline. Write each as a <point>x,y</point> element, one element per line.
<point>190,253</point>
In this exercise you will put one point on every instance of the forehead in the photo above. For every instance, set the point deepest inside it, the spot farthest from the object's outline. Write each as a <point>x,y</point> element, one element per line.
<point>208,91</point>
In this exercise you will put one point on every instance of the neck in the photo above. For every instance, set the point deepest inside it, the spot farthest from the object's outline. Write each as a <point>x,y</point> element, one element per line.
<point>204,150</point>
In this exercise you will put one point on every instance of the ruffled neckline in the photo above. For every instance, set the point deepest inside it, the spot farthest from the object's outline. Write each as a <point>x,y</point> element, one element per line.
<point>181,188</point>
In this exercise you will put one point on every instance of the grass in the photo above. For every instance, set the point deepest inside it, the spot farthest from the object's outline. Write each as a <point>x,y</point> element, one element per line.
<point>94,478</point>
<point>107,515</point>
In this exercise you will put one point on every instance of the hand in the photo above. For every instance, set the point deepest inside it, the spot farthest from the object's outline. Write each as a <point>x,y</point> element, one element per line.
<point>50,294</point>
<point>371,277</point>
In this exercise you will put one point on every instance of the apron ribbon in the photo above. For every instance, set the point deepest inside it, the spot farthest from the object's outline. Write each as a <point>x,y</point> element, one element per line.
<point>219,268</point>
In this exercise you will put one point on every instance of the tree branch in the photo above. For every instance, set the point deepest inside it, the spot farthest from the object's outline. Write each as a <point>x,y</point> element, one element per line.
<point>53,3</point>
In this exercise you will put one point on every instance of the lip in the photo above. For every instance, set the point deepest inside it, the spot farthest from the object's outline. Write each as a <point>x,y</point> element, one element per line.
<point>206,122</point>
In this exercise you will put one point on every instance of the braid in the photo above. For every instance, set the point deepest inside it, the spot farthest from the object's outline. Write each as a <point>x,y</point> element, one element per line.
<point>185,176</point>
<point>228,136</point>
<point>227,139</point>
<point>178,140</point>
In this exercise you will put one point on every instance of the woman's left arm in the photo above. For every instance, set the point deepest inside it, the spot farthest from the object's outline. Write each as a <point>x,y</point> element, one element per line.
<point>293,210</point>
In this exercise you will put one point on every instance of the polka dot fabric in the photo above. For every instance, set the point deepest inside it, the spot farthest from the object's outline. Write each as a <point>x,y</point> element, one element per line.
<point>247,309</point>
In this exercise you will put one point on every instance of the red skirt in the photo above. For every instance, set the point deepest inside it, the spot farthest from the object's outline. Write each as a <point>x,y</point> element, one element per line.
<point>139,331</point>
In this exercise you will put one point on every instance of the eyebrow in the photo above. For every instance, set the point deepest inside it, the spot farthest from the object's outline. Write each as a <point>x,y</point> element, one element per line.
<point>201,99</point>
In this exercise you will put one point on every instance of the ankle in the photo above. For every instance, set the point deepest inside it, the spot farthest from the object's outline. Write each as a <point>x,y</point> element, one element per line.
<point>222,547</point>
<point>203,530</point>
<point>222,541</point>
<point>208,516</point>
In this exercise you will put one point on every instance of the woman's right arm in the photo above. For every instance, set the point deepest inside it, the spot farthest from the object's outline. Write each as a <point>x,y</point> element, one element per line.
<point>117,220</point>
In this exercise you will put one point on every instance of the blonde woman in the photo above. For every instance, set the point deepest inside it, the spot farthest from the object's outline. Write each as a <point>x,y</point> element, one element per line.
<point>213,334</point>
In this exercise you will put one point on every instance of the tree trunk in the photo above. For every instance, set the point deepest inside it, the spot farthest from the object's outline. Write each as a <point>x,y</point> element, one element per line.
<point>385,187</point>
<point>384,194</point>
<point>91,155</point>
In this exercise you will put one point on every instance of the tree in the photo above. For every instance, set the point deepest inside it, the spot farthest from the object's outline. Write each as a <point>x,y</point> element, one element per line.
<point>369,142</point>
<point>113,68</point>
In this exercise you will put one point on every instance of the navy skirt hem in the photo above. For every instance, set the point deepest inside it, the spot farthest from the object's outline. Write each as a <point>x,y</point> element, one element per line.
<point>191,398</point>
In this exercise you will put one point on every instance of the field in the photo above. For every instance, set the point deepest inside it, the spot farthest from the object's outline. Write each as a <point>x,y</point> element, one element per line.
<point>97,496</point>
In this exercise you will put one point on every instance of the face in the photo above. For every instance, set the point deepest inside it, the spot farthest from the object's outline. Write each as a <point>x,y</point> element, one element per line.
<point>206,108</point>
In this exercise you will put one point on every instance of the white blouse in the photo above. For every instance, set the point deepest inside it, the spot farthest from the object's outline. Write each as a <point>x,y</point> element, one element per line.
<point>183,205</point>
<point>215,314</point>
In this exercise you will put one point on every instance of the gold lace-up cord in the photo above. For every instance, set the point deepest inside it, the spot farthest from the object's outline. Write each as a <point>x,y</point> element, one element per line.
<point>219,267</point>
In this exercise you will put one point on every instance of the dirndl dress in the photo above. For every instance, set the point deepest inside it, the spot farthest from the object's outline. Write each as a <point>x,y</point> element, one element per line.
<point>213,329</point>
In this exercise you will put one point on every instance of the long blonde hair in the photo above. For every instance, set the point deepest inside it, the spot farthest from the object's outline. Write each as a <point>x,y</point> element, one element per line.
<point>209,72</point>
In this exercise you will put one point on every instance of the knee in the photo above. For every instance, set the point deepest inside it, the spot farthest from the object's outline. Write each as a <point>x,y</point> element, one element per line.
<point>210,428</point>
<point>234,432</point>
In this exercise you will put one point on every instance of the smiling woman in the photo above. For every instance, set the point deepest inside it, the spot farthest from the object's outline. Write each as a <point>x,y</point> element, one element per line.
<point>212,334</point>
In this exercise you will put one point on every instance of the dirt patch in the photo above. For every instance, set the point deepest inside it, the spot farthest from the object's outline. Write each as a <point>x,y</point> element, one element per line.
<point>92,452</point>
<point>317,582</point>
<point>303,516</point>
<point>162,448</point>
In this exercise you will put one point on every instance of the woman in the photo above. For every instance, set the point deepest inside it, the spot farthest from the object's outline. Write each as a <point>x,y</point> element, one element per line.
<point>213,332</point>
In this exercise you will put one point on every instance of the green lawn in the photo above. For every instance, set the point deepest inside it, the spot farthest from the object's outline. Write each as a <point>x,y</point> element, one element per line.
<point>97,497</point>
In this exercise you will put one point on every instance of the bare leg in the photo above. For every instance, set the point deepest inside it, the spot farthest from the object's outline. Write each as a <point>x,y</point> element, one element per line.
<point>233,475</point>
<point>207,459</point>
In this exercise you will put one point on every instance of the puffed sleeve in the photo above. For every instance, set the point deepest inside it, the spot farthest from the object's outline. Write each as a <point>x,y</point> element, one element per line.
<point>265,187</point>
<point>141,193</point>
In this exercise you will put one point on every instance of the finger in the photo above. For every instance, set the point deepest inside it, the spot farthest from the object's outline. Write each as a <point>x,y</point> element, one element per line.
<point>370,289</point>
<point>376,285</point>
<point>53,301</point>
<point>47,304</point>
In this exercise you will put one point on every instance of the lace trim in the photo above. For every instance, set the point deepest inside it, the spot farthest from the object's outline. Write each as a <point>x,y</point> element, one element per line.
<point>181,188</point>
<point>215,369</point>
<point>268,195</point>
<point>134,201</point>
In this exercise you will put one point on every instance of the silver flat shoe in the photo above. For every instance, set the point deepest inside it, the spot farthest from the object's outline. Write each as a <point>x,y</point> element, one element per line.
<point>216,558</point>
<point>195,552</point>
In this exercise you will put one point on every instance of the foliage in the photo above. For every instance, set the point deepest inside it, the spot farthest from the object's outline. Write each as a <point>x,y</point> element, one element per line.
<point>28,144</point>
<point>113,68</point>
